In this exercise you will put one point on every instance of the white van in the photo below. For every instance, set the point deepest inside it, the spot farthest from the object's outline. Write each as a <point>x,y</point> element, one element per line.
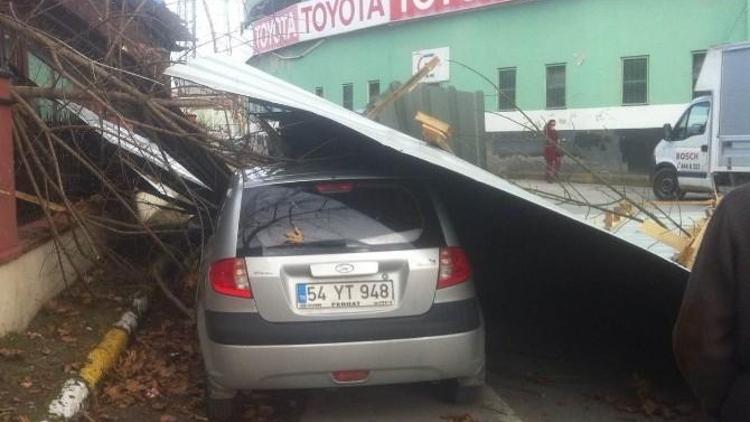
<point>709,146</point>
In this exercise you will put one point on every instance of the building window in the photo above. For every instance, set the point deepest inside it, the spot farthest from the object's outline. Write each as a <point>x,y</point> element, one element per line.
<point>635,80</point>
<point>347,96</point>
<point>698,58</point>
<point>556,86</point>
<point>506,92</point>
<point>373,91</point>
<point>319,91</point>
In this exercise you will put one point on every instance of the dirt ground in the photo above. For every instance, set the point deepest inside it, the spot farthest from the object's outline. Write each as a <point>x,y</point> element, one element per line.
<point>160,378</point>
<point>35,363</point>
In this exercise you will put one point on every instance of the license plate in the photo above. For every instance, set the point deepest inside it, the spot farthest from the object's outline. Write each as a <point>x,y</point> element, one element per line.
<point>375,294</point>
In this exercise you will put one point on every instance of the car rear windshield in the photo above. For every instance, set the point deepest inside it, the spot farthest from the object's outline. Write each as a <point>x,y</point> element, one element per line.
<point>336,217</point>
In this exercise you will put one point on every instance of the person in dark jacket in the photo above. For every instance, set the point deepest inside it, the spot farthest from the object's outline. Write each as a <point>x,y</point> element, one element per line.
<point>712,334</point>
<point>552,154</point>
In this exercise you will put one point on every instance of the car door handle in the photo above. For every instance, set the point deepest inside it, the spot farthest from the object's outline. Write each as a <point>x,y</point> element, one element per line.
<point>704,148</point>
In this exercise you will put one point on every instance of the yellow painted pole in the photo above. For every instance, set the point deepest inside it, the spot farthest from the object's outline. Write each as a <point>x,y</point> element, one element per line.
<point>104,356</point>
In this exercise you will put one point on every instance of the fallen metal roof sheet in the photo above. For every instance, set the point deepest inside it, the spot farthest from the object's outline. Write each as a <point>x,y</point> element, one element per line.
<point>229,74</point>
<point>132,142</point>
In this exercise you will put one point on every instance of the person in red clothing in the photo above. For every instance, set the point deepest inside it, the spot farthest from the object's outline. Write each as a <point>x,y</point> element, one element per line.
<point>552,153</point>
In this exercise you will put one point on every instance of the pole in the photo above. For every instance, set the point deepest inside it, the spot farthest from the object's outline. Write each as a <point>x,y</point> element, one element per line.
<point>8,221</point>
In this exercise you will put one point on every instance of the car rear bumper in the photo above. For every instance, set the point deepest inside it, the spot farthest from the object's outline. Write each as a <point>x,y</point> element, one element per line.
<point>250,329</point>
<point>243,351</point>
<point>310,365</point>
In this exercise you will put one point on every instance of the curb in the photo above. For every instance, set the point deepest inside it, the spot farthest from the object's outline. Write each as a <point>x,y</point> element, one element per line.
<point>75,391</point>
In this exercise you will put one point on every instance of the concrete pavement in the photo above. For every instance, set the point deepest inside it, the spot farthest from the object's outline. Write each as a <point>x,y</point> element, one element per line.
<point>409,402</point>
<point>684,213</point>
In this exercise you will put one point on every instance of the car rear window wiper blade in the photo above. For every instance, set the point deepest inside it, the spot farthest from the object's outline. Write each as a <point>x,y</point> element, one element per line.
<point>333,243</point>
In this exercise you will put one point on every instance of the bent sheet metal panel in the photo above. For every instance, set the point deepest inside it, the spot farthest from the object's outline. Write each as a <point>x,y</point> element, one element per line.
<point>229,74</point>
<point>132,142</point>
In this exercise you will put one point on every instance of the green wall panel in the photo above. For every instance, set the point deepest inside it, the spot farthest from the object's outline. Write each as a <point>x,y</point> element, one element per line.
<point>590,36</point>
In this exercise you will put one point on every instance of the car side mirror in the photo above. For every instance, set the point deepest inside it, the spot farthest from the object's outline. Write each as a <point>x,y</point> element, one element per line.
<point>667,132</point>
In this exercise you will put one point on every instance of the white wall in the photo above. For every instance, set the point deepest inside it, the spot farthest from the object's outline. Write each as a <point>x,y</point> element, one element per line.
<point>35,277</point>
<point>602,118</point>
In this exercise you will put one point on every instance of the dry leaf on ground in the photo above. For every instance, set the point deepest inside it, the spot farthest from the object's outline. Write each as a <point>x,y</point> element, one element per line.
<point>11,354</point>
<point>459,418</point>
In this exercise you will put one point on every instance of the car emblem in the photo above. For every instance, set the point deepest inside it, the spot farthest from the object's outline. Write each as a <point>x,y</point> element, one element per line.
<point>344,268</point>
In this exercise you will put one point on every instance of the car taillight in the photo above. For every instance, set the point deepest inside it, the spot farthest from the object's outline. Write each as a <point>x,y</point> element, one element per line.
<point>229,277</point>
<point>455,267</point>
<point>334,187</point>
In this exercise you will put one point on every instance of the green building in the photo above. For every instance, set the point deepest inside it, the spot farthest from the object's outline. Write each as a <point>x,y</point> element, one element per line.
<point>612,72</point>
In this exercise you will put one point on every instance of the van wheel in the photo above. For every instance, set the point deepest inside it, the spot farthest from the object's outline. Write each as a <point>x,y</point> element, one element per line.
<point>666,186</point>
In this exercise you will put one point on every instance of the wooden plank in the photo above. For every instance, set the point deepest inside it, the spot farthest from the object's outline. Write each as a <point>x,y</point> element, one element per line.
<point>403,89</point>
<point>666,236</point>
<point>438,124</point>
<point>435,131</point>
<point>479,132</point>
<point>687,256</point>
<point>35,200</point>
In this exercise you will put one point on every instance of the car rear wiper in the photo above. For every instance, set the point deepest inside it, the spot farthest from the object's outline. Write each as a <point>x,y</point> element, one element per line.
<point>333,243</point>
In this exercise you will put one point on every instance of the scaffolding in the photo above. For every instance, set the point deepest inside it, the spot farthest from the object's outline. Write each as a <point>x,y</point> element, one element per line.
<point>186,10</point>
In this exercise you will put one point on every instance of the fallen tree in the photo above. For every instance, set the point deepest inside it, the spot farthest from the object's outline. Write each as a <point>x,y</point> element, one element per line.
<point>139,140</point>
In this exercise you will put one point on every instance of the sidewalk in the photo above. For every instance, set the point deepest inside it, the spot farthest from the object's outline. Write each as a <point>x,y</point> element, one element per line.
<point>519,167</point>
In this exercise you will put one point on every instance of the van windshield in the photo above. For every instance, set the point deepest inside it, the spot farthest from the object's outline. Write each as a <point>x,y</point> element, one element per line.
<point>335,217</point>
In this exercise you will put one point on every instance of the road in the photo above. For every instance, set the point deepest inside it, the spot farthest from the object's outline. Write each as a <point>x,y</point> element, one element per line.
<point>576,197</point>
<point>414,402</point>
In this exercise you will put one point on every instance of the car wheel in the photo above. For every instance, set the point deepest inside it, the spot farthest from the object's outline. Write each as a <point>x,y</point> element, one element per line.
<point>219,410</point>
<point>666,186</point>
<point>220,403</point>
<point>454,391</point>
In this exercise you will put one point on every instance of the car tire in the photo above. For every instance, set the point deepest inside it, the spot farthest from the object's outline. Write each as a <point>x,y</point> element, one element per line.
<point>220,403</point>
<point>454,391</point>
<point>666,186</point>
<point>219,410</point>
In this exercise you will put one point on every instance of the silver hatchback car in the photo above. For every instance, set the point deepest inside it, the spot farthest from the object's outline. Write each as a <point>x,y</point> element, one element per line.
<point>322,278</point>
